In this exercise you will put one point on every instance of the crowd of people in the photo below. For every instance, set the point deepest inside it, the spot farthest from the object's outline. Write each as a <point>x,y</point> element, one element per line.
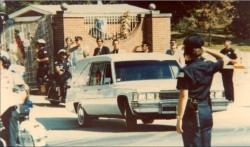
<point>76,50</point>
<point>194,81</point>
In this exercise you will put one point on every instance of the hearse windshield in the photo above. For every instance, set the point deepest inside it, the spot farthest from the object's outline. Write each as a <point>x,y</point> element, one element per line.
<point>146,70</point>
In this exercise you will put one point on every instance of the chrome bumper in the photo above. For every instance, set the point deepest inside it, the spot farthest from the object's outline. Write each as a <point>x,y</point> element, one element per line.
<point>171,107</point>
<point>155,107</point>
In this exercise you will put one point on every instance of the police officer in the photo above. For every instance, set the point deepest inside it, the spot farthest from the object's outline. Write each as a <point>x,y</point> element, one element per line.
<point>62,72</point>
<point>43,62</point>
<point>9,100</point>
<point>194,119</point>
<point>227,72</point>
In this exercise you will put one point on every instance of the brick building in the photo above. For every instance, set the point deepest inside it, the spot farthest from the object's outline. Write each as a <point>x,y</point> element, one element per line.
<point>56,22</point>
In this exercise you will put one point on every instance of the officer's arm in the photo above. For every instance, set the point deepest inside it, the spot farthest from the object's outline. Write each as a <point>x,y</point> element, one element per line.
<point>58,70</point>
<point>68,50</point>
<point>43,60</point>
<point>181,108</point>
<point>217,55</point>
<point>135,49</point>
<point>233,61</point>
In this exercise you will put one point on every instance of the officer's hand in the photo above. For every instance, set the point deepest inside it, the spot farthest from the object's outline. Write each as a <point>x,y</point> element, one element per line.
<point>38,60</point>
<point>179,126</point>
<point>205,49</point>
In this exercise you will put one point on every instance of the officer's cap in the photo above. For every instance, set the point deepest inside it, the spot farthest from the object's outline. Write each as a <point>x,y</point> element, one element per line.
<point>41,41</point>
<point>5,58</point>
<point>61,51</point>
<point>78,38</point>
<point>4,55</point>
<point>227,40</point>
<point>193,42</point>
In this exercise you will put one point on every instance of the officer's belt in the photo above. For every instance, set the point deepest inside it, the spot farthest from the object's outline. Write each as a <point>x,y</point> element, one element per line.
<point>43,64</point>
<point>199,101</point>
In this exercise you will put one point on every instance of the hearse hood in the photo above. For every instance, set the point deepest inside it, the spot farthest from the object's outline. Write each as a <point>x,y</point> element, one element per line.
<point>148,85</point>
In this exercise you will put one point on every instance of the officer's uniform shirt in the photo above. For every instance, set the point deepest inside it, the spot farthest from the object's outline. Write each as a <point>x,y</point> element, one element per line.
<point>63,65</point>
<point>230,53</point>
<point>41,54</point>
<point>8,97</point>
<point>197,78</point>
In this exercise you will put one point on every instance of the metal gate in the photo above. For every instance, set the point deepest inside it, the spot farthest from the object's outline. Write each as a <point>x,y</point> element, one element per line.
<point>28,34</point>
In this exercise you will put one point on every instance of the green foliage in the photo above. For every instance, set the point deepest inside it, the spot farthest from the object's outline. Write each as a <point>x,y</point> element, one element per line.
<point>209,15</point>
<point>213,14</point>
<point>218,37</point>
<point>241,23</point>
<point>186,22</point>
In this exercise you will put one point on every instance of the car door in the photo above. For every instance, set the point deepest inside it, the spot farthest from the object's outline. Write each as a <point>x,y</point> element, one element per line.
<point>80,82</point>
<point>101,97</point>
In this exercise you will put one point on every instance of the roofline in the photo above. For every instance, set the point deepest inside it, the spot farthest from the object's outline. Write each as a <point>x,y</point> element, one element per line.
<point>28,19</point>
<point>42,11</point>
<point>26,9</point>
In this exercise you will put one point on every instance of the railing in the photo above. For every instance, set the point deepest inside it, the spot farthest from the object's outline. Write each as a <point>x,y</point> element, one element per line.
<point>108,26</point>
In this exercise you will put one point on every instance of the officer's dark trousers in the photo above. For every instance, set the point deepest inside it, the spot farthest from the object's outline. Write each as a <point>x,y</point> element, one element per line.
<point>227,78</point>
<point>10,122</point>
<point>42,71</point>
<point>62,83</point>
<point>191,135</point>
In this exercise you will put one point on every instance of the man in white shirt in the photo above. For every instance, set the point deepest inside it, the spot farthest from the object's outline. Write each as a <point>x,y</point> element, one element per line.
<point>78,52</point>
<point>175,52</point>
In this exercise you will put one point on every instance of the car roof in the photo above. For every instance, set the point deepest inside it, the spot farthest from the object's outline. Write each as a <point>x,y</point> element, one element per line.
<point>131,57</point>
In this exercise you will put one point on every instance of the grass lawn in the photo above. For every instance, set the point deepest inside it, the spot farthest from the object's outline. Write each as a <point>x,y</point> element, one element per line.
<point>217,40</point>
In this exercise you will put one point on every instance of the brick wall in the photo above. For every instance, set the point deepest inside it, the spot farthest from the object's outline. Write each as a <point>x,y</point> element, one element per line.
<point>153,28</point>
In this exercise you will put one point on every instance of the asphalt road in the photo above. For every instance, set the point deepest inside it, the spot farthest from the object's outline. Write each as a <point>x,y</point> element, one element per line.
<point>231,127</point>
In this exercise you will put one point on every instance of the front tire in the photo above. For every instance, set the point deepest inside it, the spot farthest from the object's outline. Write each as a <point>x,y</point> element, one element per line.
<point>83,118</point>
<point>131,120</point>
<point>52,95</point>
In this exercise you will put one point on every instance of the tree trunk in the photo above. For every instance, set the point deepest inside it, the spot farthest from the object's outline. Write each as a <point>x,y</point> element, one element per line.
<point>210,34</point>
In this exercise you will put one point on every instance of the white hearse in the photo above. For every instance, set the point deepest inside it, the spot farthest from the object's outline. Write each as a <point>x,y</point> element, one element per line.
<point>129,86</point>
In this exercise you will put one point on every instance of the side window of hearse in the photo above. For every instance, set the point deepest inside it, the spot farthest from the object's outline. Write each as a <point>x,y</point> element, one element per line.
<point>96,74</point>
<point>82,77</point>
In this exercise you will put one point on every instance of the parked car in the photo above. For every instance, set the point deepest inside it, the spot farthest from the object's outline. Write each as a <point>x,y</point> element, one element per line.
<point>128,86</point>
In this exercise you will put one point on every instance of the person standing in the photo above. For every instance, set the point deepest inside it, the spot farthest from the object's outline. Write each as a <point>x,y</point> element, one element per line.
<point>78,52</point>
<point>227,72</point>
<point>116,46</point>
<point>101,49</point>
<point>173,51</point>
<point>43,62</point>
<point>144,48</point>
<point>194,118</point>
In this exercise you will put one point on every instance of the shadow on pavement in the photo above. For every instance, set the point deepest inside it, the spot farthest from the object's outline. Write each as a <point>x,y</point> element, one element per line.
<point>101,125</point>
<point>48,105</point>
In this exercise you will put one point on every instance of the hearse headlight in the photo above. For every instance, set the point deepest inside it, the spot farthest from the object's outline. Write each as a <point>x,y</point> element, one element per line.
<point>216,94</point>
<point>145,96</point>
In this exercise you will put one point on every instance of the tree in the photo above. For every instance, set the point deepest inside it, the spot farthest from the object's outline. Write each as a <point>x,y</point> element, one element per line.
<point>214,14</point>
<point>240,25</point>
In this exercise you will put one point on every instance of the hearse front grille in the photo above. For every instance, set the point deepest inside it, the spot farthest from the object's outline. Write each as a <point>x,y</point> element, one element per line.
<point>169,95</point>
